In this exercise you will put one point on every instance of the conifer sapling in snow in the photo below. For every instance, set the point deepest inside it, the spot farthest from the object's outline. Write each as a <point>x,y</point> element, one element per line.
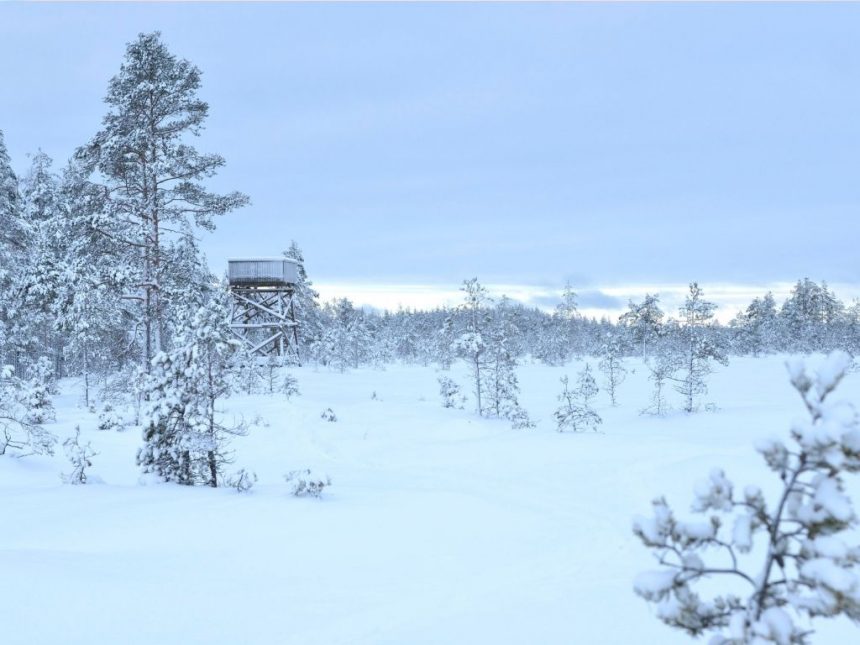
<point>450,393</point>
<point>575,412</point>
<point>472,345</point>
<point>612,365</point>
<point>185,433</point>
<point>780,561</point>
<point>18,431</point>
<point>660,368</point>
<point>39,388</point>
<point>698,345</point>
<point>79,456</point>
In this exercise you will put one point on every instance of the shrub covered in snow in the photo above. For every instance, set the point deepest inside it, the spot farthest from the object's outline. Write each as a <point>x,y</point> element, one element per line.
<point>18,430</point>
<point>242,480</point>
<point>328,415</point>
<point>450,393</point>
<point>38,390</point>
<point>289,386</point>
<point>781,561</point>
<point>110,419</point>
<point>307,483</point>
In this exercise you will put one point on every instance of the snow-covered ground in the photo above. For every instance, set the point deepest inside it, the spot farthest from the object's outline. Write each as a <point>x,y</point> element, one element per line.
<point>440,527</point>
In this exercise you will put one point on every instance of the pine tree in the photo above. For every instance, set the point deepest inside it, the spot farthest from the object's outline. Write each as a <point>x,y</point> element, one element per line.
<point>643,322</point>
<point>566,318</point>
<point>575,412</point>
<point>661,367</point>
<point>152,177</point>
<point>472,344</point>
<point>612,364</point>
<point>347,337</point>
<point>442,337</point>
<point>10,206</point>
<point>809,315</point>
<point>88,310</point>
<point>757,327</point>
<point>36,275</point>
<point>781,561</point>
<point>697,347</point>
<point>306,304</point>
<point>185,435</point>
<point>11,247</point>
<point>19,429</point>
<point>502,386</point>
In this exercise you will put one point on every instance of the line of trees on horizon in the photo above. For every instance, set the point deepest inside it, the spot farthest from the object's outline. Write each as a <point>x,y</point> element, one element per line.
<point>101,274</point>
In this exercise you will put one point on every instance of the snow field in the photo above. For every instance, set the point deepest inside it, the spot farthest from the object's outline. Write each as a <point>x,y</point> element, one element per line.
<point>439,526</point>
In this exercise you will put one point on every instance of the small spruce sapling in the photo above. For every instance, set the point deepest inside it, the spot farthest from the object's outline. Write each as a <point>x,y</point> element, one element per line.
<point>242,480</point>
<point>328,415</point>
<point>781,561</point>
<point>450,393</point>
<point>289,386</point>
<point>575,412</point>
<point>39,388</point>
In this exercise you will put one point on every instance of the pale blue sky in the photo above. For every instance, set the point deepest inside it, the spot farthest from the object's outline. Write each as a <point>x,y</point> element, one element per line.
<point>614,145</point>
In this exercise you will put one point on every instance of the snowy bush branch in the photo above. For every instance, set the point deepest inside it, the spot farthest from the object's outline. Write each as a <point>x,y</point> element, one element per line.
<point>797,563</point>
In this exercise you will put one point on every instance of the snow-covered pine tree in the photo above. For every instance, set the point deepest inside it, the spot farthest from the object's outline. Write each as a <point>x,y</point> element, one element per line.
<point>852,328</point>
<point>781,561</point>
<point>12,252</point>
<point>661,367</point>
<point>809,315</point>
<point>575,412</point>
<point>643,322</point>
<point>566,318</point>
<point>18,431</point>
<point>612,364</point>
<point>11,237</point>
<point>450,393</point>
<point>502,385</point>
<point>471,345</point>
<point>346,338</point>
<point>549,346</point>
<point>35,273</point>
<point>443,341</point>
<point>306,304</point>
<point>757,327</point>
<point>152,177</point>
<point>697,346</point>
<point>185,433</point>
<point>88,310</point>
<point>39,387</point>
